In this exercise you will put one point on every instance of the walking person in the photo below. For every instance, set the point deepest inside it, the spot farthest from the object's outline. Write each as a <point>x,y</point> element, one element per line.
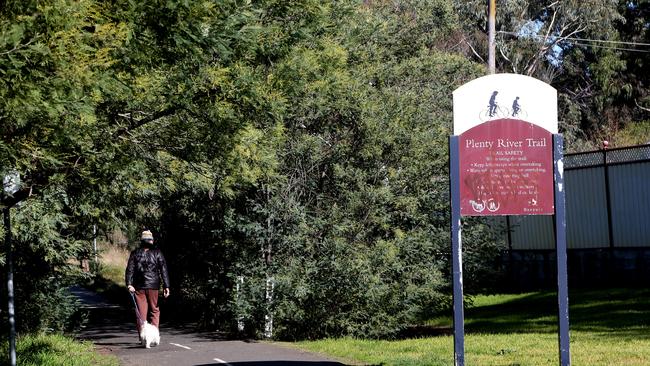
<point>144,271</point>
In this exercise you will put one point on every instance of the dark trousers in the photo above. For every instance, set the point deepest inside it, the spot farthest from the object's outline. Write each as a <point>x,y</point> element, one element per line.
<point>147,300</point>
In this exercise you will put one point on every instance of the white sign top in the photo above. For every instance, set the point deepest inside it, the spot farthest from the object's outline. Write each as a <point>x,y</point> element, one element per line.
<point>501,96</point>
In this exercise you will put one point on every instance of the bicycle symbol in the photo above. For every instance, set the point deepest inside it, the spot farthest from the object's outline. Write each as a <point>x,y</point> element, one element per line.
<point>496,111</point>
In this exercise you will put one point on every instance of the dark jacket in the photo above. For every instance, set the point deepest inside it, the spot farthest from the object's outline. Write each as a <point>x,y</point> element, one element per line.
<point>145,268</point>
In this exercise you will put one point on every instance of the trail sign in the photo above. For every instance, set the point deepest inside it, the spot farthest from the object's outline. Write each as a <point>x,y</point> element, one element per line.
<point>506,168</point>
<point>505,126</point>
<point>505,158</point>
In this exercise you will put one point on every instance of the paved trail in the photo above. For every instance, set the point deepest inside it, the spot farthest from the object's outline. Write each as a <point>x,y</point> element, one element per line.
<point>113,331</point>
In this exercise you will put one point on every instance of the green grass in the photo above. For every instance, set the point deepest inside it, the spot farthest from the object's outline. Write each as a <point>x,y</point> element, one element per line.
<point>113,262</point>
<point>113,274</point>
<point>109,280</point>
<point>55,350</point>
<point>608,327</point>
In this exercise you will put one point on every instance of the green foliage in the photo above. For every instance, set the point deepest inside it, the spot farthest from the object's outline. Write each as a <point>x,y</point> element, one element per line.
<point>347,211</point>
<point>94,96</point>
<point>299,143</point>
<point>42,266</point>
<point>55,350</point>
<point>637,133</point>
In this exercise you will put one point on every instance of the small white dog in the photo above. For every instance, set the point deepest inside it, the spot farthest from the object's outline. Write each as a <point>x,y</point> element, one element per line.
<point>149,335</point>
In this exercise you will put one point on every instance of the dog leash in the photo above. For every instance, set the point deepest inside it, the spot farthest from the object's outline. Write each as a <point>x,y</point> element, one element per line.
<point>137,311</point>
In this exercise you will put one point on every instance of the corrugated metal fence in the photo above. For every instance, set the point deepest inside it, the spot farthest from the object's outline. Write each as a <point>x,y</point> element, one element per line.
<point>608,203</point>
<point>608,225</point>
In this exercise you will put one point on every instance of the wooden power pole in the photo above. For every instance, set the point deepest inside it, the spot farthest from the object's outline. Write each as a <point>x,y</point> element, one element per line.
<point>492,14</point>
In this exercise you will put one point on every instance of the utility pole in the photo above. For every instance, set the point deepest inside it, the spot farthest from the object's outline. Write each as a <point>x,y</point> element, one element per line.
<point>492,15</point>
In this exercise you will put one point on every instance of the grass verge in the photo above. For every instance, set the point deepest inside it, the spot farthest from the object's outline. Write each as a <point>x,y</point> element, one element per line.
<point>113,264</point>
<point>608,328</point>
<point>109,280</point>
<point>56,350</point>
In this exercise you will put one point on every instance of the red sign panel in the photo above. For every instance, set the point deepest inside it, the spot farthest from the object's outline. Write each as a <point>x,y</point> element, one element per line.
<point>506,168</point>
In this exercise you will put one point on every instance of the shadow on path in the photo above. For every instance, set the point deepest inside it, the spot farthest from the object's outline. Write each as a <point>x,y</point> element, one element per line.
<point>112,329</point>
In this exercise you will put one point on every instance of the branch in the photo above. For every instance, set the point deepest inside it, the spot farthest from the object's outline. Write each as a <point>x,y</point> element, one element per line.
<point>12,200</point>
<point>514,67</point>
<point>530,70</point>
<point>642,108</point>
<point>473,50</point>
<point>141,122</point>
<point>17,47</point>
<point>551,5</point>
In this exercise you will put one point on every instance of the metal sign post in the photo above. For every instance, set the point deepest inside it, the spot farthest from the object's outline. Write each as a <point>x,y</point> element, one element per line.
<point>10,185</point>
<point>457,254</point>
<point>560,240</point>
<point>10,287</point>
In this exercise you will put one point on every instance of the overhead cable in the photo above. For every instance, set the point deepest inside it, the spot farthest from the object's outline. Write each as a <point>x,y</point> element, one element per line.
<point>640,44</point>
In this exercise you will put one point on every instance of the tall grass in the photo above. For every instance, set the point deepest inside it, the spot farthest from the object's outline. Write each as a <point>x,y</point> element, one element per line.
<point>56,350</point>
<point>113,260</point>
<point>109,276</point>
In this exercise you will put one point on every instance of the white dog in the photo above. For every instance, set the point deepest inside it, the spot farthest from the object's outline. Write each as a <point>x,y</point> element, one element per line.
<point>149,335</point>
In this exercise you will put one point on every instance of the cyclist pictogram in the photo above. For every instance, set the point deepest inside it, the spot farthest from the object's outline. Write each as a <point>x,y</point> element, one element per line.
<point>496,111</point>
<point>517,112</point>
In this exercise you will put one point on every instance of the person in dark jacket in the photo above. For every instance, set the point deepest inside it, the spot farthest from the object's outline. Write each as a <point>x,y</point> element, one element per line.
<point>143,273</point>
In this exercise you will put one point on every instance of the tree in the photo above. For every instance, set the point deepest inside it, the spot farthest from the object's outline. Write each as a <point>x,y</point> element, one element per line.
<point>296,143</point>
<point>106,106</point>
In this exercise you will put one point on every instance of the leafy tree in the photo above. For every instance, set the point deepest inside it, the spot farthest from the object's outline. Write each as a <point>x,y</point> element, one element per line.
<point>299,144</point>
<point>589,51</point>
<point>358,215</point>
<point>108,106</point>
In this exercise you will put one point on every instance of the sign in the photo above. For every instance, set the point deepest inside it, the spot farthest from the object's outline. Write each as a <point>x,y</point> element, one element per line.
<point>506,168</point>
<point>505,124</point>
<point>505,158</point>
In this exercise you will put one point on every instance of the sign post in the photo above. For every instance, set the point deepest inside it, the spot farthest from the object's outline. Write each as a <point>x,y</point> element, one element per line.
<point>560,240</point>
<point>457,254</point>
<point>506,159</point>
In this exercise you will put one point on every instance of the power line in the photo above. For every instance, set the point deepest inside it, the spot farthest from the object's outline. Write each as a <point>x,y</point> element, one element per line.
<point>586,40</point>
<point>610,48</point>
<point>607,41</point>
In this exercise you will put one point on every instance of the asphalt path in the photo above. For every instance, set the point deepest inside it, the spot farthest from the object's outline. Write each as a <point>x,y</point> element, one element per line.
<point>112,329</point>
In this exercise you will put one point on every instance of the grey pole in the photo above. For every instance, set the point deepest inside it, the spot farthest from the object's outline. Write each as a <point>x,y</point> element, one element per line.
<point>95,243</point>
<point>457,253</point>
<point>560,240</point>
<point>492,11</point>
<point>10,288</point>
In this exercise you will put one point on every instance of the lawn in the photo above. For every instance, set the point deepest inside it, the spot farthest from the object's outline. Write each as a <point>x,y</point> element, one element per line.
<point>608,327</point>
